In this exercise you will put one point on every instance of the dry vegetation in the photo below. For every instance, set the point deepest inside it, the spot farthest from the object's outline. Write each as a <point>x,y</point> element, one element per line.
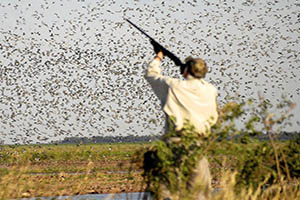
<point>55,170</point>
<point>243,167</point>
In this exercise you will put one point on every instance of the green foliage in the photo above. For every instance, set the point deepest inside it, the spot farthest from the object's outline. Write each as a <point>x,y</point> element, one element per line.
<point>255,165</point>
<point>171,160</point>
<point>40,156</point>
<point>292,152</point>
<point>21,154</point>
<point>257,161</point>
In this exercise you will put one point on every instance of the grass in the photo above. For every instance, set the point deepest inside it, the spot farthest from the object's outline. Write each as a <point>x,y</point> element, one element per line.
<point>55,170</point>
<point>19,154</point>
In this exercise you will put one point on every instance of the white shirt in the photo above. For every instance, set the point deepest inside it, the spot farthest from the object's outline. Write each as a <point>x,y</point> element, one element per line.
<point>192,100</point>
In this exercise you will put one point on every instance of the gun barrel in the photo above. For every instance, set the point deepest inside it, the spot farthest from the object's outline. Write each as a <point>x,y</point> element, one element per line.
<point>140,29</point>
<point>165,51</point>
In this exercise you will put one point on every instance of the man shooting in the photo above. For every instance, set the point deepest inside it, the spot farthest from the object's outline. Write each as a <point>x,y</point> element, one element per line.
<point>191,100</point>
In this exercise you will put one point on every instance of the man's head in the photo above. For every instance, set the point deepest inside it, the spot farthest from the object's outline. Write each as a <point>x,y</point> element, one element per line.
<point>195,67</point>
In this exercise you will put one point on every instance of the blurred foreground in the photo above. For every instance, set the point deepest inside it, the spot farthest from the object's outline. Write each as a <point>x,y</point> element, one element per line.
<point>58,170</point>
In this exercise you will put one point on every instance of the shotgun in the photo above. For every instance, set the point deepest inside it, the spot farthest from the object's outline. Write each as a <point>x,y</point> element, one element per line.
<point>165,51</point>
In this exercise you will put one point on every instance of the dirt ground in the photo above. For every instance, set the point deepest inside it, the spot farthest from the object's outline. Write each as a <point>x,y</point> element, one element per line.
<point>71,178</point>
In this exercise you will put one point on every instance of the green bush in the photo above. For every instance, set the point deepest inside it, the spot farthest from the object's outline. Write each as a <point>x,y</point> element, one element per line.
<point>171,160</point>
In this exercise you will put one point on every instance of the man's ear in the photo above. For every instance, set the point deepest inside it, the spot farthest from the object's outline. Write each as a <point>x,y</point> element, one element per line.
<point>185,73</point>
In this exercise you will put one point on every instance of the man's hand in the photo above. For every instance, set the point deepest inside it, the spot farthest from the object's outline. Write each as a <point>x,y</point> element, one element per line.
<point>156,47</point>
<point>159,55</point>
<point>158,51</point>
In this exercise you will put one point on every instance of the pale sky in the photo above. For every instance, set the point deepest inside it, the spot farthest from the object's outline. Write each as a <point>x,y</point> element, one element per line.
<point>75,68</point>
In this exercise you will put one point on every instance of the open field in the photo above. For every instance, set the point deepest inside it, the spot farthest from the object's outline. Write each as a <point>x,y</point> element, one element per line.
<point>55,170</point>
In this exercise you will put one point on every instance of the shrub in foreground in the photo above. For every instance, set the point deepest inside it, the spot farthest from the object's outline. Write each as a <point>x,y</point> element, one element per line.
<point>255,170</point>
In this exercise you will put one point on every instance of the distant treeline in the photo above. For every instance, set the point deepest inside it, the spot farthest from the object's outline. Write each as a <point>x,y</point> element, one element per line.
<point>107,139</point>
<point>284,136</point>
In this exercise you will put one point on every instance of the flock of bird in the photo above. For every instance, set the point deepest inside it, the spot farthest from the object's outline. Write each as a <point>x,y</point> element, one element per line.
<point>75,68</point>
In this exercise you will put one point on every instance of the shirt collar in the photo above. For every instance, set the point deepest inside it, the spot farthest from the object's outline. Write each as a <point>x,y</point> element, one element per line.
<point>191,78</point>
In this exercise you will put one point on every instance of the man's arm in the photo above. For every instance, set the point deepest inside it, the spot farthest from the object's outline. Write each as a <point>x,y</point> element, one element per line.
<point>158,82</point>
<point>153,72</point>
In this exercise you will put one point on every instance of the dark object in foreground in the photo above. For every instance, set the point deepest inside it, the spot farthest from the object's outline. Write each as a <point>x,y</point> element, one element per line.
<point>166,52</point>
<point>176,167</point>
